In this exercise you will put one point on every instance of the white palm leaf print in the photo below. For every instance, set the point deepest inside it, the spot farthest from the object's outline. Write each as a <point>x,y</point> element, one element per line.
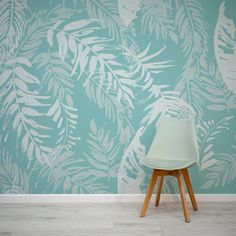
<point>166,102</point>
<point>102,154</point>
<point>207,133</point>
<point>12,24</point>
<point>13,180</point>
<point>222,171</point>
<point>107,14</point>
<point>160,99</point>
<point>144,65</point>
<point>69,173</point>
<point>23,102</point>
<point>56,77</point>
<point>66,119</point>
<point>131,173</point>
<point>192,29</point>
<point>36,32</point>
<point>106,80</point>
<point>128,10</point>
<point>158,17</point>
<point>21,105</point>
<point>218,96</point>
<point>225,48</point>
<point>106,98</point>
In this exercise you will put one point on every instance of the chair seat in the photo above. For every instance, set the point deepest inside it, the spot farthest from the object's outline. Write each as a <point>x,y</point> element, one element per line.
<point>169,164</point>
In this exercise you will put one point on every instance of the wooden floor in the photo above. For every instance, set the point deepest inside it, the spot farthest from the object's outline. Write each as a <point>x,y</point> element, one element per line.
<point>69,219</point>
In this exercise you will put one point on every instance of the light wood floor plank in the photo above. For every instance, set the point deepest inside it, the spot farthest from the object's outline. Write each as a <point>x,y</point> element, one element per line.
<point>115,219</point>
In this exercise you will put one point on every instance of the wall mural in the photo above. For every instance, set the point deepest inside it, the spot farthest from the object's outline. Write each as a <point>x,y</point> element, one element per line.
<point>84,83</point>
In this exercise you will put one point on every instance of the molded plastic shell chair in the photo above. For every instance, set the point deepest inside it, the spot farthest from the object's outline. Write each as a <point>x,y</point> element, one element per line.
<point>173,150</point>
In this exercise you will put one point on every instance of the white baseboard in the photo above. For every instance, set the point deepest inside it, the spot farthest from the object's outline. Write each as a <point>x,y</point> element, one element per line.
<point>106,198</point>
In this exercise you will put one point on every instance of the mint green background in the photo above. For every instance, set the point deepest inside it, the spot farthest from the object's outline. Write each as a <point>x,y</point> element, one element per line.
<point>84,153</point>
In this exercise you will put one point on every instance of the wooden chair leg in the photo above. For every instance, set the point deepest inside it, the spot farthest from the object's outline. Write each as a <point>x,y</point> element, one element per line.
<point>183,199</point>
<point>190,189</point>
<point>160,182</point>
<point>149,193</point>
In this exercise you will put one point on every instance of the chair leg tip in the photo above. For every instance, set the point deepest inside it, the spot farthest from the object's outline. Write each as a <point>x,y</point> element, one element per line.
<point>195,208</point>
<point>187,220</point>
<point>142,214</point>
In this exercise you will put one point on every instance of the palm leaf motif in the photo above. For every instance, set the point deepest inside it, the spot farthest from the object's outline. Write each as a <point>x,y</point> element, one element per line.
<point>21,105</point>
<point>192,29</point>
<point>128,10</point>
<point>207,133</point>
<point>102,153</point>
<point>225,48</point>
<point>13,180</point>
<point>37,28</point>
<point>107,82</point>
<point>107,13</point>
<point>222,170</point>
<point>20,90</point>
<point>57,79</point>
<point>160,100</point>
<point>219,97</point>
<point>12,24</point>
<point>131,174</point>
<point>166,103</point>
<point>66,119</point>
<point>70,173</point>
<point>158,18</point>
<point>56,76</point>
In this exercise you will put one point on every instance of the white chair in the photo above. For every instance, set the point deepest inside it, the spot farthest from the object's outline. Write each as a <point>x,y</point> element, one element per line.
<point>173,150</point>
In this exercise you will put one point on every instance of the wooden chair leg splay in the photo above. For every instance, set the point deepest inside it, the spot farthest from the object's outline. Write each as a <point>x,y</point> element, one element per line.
<point>149,193</point>
<point>178,174</point>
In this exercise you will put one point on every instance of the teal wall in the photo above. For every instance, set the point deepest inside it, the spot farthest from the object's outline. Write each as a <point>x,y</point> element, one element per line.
<point>83,83</point>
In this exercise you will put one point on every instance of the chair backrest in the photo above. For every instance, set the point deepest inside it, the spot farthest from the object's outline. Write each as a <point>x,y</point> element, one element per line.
<point>175,139</point>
